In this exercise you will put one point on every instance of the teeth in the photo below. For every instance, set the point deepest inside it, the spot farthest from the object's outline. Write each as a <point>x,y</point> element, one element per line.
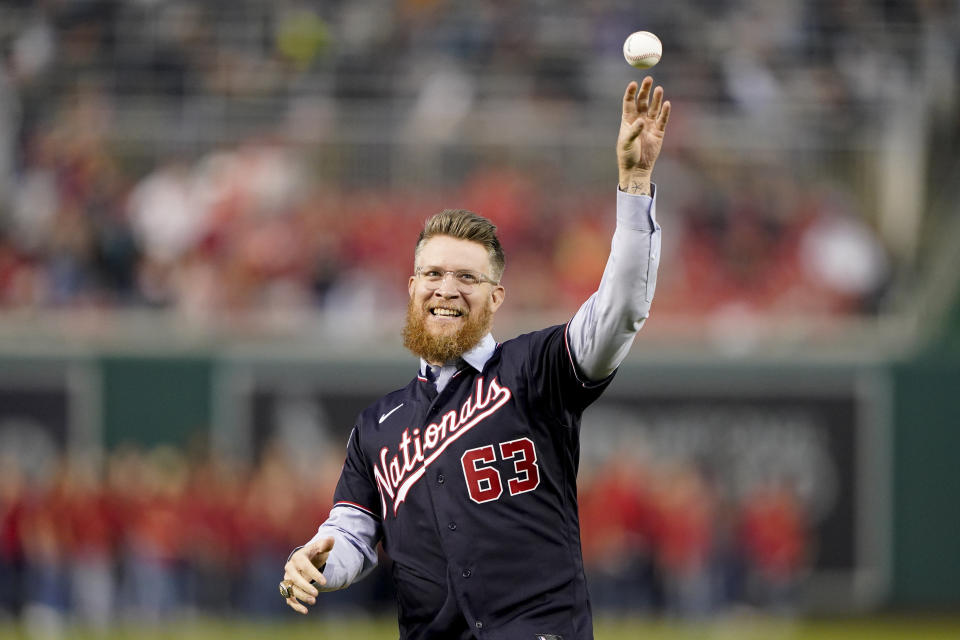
<point>437,311</point>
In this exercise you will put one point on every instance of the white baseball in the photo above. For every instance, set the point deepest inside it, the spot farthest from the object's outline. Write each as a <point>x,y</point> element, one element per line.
<point>642,49</point>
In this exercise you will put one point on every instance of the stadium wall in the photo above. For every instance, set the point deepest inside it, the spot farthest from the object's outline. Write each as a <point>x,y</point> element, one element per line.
<point>902,419</point>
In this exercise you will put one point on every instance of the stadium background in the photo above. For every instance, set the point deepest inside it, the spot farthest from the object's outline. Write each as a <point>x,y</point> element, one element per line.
<point>206,219</point>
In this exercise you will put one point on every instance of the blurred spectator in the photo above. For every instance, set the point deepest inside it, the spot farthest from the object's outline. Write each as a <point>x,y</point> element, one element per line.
<point>155,540</point>
<point>215,555</point>
<point>618,523</point>
<point>9,122</point>
<point>46,584</point>
<point>89,529</point>
<point>842,257</point>
<point>685,539</point>
<point>271,505</point>
<point>13,506</point>
<point>773,535</point>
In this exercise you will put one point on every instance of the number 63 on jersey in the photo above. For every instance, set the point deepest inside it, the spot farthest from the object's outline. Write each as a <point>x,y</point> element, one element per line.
<point>484,482</point>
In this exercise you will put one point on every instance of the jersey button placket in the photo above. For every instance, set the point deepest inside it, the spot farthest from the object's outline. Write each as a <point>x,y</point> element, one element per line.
<point>452,526</point>
<point>467,573</point>
<point>440,478</point>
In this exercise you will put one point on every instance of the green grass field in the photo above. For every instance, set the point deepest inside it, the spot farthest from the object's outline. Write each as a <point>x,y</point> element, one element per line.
<point>735,628</point>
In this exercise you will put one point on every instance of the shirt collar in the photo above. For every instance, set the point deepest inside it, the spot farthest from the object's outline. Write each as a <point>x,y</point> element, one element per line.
<point>476,357</point>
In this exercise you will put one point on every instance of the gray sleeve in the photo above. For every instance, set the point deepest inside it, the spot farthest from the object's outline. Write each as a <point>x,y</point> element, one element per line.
<point>354,553</point>
<point>603,328</point>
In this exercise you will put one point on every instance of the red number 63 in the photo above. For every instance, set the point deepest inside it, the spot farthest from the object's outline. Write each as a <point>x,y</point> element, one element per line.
<point>484,483</point>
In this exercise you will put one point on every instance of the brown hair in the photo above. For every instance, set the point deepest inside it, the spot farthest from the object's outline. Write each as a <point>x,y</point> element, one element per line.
<point>465,225</point>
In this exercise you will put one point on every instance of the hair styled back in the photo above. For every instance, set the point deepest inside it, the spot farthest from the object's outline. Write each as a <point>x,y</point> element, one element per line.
<point>465,225</point>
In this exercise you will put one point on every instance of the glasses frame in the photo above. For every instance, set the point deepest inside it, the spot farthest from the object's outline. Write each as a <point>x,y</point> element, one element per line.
<point>465,288</point>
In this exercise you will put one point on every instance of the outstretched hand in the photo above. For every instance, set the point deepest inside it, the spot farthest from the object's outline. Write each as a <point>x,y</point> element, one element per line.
<point>642,129</point>
<point>302,568</point>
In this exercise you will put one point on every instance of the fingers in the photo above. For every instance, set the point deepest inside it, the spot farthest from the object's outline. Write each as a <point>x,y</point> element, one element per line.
<point>301,590</point>
<point>296,578</point>
<point>644,93</point>
<point>300,594</point>
<point>296,606</point>
<point>303,571</point>
<point>664,116</point>
<point>640,101</point>
<point>654,110</point>
<point>296,595</point>
<point>630,101</point>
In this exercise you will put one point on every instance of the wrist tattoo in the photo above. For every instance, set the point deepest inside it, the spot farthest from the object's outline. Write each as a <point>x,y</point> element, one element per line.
<point>637,187</point>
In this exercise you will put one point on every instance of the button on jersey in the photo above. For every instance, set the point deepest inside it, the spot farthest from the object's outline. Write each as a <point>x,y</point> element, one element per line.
<point>476,488</point>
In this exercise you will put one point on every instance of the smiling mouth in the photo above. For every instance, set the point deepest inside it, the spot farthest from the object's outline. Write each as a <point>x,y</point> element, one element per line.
<point>446,313</point>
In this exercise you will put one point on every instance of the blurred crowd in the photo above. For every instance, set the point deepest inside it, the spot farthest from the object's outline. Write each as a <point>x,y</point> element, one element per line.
<point>149,536</point>
<point>662,539</point>
<point>242,230</point>
<point>250,156</point>
<point>159,535</point>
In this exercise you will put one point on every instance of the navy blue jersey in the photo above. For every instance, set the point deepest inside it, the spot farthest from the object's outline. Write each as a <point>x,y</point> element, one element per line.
<point>476,489</point>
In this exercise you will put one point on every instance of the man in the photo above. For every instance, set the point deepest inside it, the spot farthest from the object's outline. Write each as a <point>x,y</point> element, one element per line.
<point>468,474</point>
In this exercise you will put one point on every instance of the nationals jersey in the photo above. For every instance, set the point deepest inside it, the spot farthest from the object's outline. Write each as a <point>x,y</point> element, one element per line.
<point>475,487</point>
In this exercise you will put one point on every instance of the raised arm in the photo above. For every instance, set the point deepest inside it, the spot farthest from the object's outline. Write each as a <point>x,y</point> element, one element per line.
<point>601,332</point>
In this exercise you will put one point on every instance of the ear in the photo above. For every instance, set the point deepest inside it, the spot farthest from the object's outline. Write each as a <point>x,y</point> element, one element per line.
<point>496,297</point>
<point>411,285</point>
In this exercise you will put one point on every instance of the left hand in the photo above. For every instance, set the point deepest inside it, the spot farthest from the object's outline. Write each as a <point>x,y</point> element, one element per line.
<point>302,568</point>
<point>642,129</point>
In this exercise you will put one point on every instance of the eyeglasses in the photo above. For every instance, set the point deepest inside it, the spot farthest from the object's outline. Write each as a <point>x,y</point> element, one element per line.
<point>466,279</point>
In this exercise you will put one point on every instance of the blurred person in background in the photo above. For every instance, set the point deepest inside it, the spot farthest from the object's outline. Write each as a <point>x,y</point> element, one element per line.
<point>91,532</point>
<point>155,539</point>
<point>268,511</point>
<point>685,539</point>
<point>618,516</point>
<point>211,508</point>
<point>774,537</point>
<point>484,577</point>
<point>12,558</point>
<point>9,121</point>
<point>45,541</point>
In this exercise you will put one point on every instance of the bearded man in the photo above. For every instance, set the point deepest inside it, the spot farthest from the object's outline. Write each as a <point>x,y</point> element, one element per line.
<point>468,474</point>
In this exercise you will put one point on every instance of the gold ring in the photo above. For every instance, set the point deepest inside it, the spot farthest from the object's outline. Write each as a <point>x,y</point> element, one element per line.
<point>286,589</point>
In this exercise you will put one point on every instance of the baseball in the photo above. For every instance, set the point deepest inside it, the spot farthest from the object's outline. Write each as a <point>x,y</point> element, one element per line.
<point>642,49</point>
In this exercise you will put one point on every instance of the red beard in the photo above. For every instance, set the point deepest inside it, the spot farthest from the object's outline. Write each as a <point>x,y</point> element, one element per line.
<point>444,348</point>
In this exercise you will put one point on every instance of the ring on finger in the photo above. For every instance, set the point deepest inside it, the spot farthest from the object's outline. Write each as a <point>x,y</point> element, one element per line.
<point>286,589</point>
